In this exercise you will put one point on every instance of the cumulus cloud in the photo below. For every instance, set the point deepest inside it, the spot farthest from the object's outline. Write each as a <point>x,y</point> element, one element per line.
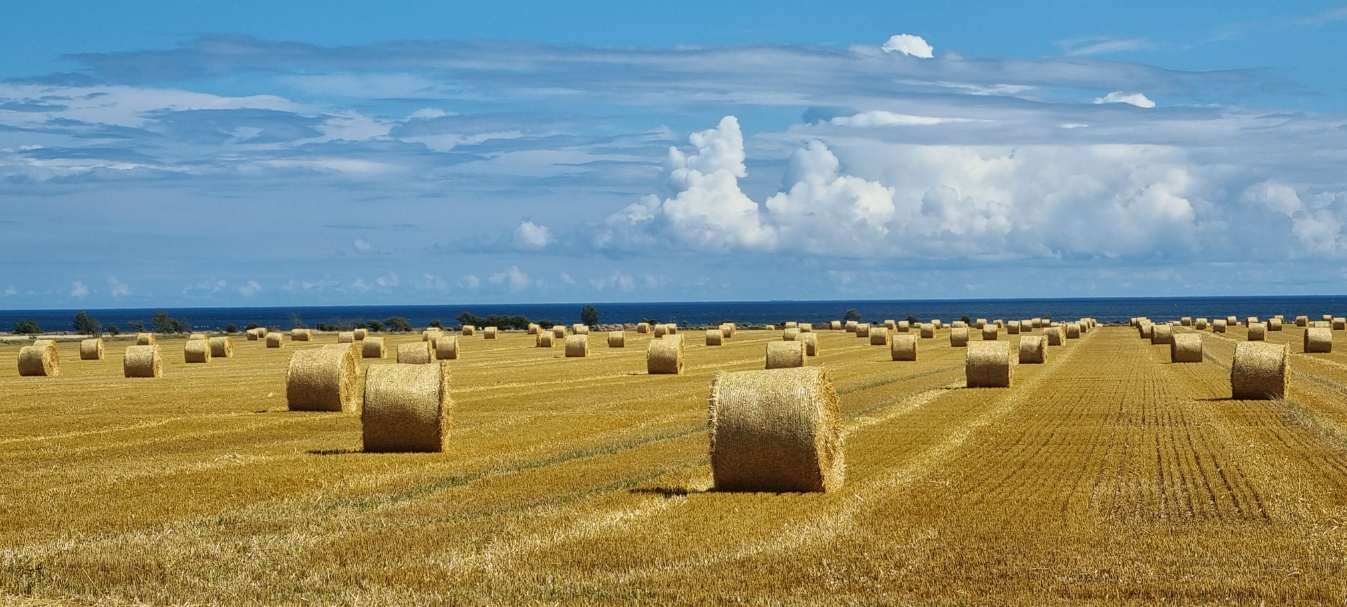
<point>530,235</point>
<point>117,289</point>
<point>883,118</point>
<point>470,282</point>
<point>250,288</point>
<point>362,246</point>
<point>78,290</point>
<point>512,278</point>
<point>1136,99</point>
<point>1316,219</point>
<point>908,44</point>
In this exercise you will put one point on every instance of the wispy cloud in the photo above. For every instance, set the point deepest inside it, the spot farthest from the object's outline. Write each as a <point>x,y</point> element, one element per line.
<point>1099,45</point>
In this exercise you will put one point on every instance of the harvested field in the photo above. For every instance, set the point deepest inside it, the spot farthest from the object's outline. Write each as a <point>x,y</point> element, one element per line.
<point>1105,476</point>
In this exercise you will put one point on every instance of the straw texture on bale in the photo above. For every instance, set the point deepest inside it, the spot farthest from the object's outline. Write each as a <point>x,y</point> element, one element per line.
<point>989,333</point>
<point>1259,371</point>
<point>42,359</point>
<point>193,336</point>
<point>346,337</point>
<point>1218,326</point>
<point>1274,324</point>
<point>835,325</point>
<point>407,408</point>
<point>776,431</point>
<point>534,328</point>
<point>222,347</point>
<point>372,347</point>
<point>558,332</point>
<point>196,351</point>
<point>714,337</point>
<point>577,346</point>
<point>643,327</point>
<point>489,333</point>
<point>879,337</point>
<point>1339,324</point>
<point>980,323</point>
<point>958,324</point>
<point>323,378</point>
<point>790,324</point>
<point>937,323</point>
<point>726,331</point>
<point>1186,348</point>
<point>664,356</point>
<point>468,331</point>
<point>958,337</point>
<point>863,330</point>
<point>1257,332</point>
<point>1318,340</point>
<point>989,364</point>
<point>431,334</point>
<point>1054,335</point>
<point>446,347</point>
<point>146,339</point>
<point>927,330</point>
<point>671,328</point>
<point>1036,323</point>
<point>851,326</point>
<point>891,325</point>
<point>790,334</point>
<point>785,354</point>
<point>904,326</point>
<point>811,344</point>
<point>1250,320</point>
<point>253,335</point>
<point>274,340</point>
<point>617,339</point>
<point>579,329</point>
<point>1073,331</point>
<point>661,330</point>
<point>142,361</point>
<point>1200,324</point>
<point>361,334</point>
<point>1231,321</point>
<point>1032,349</point>
<point>544,339</point>
<point>770,327</point>
<point>1302,321</point>
<point>301,335</point>
<point>419,353</point>
<point>1322,324</point>
<point>1160,334</point>
<point>91,349</point>
<point>1013,327</point>
<point>903,347</point>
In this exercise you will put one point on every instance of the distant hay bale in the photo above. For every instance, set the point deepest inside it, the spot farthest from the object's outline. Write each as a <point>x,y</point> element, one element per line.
<point>252,334</point>
<point>1186,348</point>
<point>193,336</point>
<point>776,431</point>
<point>1250,320</point>
<point>1274,324</point>
<point>835,325</point>
<point>533,328</point>
<point>1259,371</point>
<point>275,340</point>
<point>643,327</point>
<point>91,349</point>
<point>989,333</point>
<point>785,354</point>
<point>879,337</point>
<point>146,339</point>
<point>196,351</point>
<point>1056,336</point>
<point>1013,327</point>
<point>958,324</point>
<point>664,356</point>
<point>446,347</point>
<point>891,325</point>
<point>958,337</point>
<point>661,330</point>
<point>42,359</point>
<point>417,353</point>
<point>1026,326</point>
<point>904,326</point>
<point>345,337</point>
<point>937,323</point>
<point>1326,318</point>
<point>980,323</point>
<point>468,331</point>
<point>988,364</point>
<point>1036,323</point>
<point>927,330</point>
<point>323,378</point>
<point>806,328</point>
<point>790,334</point>
<point>790,324</point>
<point>1186,321</point>
<point>769,327</point>
<point>559,332</point>
<point>431,334</point>
<point>1161,335</point>
<point>863,330</point>
<point>142,361</point>
<point>1231,321</point>
<point>372,347</point>
<point>1073,331</point>
<point>1339,324</point>
<point>903,347</point>
<point>617,339</point>
<point>726,330</point>
<point>851,326</point>
<point>407,408</point>
<point>811,344</point>
<point>672,328</point>
<point>489,333</point>
<point>715,338</point>
<point>360,334</point>
<point>577,346</point>
<point>1200,324</point>
<point>1322,324</point>
<point>580,329</point>
<point>1218,325</point>
<point>1032,350</point>
<point>1257,331</point>
<point>222,347</point>
<point>301,335</point>
<point>1318,340</point>
<point>544,339</point>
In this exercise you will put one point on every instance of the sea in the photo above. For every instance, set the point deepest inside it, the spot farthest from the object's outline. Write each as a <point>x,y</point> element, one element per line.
<point>1106,310</point>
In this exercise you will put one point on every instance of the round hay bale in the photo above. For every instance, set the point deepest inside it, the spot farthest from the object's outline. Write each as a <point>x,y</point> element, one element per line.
<point>146,339</point>
<point>811,344</point>
<point>360,334</point>
<point>534,328</point>
<point>664,356</point>
<point>1339,324</point>
<point>714,337</point>
<point>346,337</point>
<point>790,324</point>
<point>863,330</point>
<point>1274,324</point>
<point>980,323</point>
<point>617,339</point>
<point>1186,321</point>
<point>806,328</point>
<point>1160,334</point>
<point>661,330</point>
<point>222,347</point>
<point>989,364</point>
<point>1259,371</point>
<point>643,327</point>
<point>468,331</point>
<point>989,333</point>
<point>1033,349</point>
<point>904,326</point>
<point>958,324</point>
<point>835,325</point>
<point>1186,348</point>
<point>1073,331</point>
<point>418,353</point>
<point>196,351</point>
<point>1200,324</point>
<point>776,431</point>
<point>1218,325</point>
<point>726,331</point>
<point>544,339</point>
<point>407,408</point>
<point>301,335</point>
<point>193,336</point>
<point>1036,323</point>
<point>1326,318</point>
<point>91,349</point>
<point>903,347</point>
<point>672,328</point>
<point>431,334</point>
<point>263,331</point>
<point>446,347</point>
<point>1318,340</point>
<point>769,327</point>
<point>879,337</point>
<point>577,346</point>
<point>579,329</point>
<point>1231,321</point>
<point>927,330</point>
<point>785,354</point>
<point>1302,321</point>
<point>958,337</point>
<point>323,378</point>
<point>891,325</point>
<point>142,361</point>
<point>1322,324</point>
<point>42,359</point>
<point>274,340</point>
<point>937,323</point>
<point>372,347</point>
<point>1257,331</point>
<point>489,333</point>
<point>851,326</point>
<point>253,335</point>
<point>1056,336</point>
<point>1013,327</point>
<point>790,334</point>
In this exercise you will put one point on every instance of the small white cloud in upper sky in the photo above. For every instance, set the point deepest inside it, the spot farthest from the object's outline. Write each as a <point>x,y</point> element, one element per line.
<point>883,118</point>
<point>117,288</point>
<point>1136,99</point>
<point>910,45</point>
<point>532,235</point>
<point>426,113</point>
<point>471,282</point>
<point>250,288</point>
<point>78,290</point>
<point>363,246</point>
<point>513,277</point>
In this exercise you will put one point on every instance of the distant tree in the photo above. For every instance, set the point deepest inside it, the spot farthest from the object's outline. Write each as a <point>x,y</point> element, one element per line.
<point>231,329</point>
<point>163,323</point>
<point>966,320</point>
<point>374,325</point>
<point>84,324</point>
<point>295,321</point>
<point>589,316</point>
<point>113,330</point>
<point>136,325</point>
<point>27,327</point>
<point>913,320</point>
<point>852,314</point>
<point>545,323</point>
<point>252,325</point>
<point>437,324</point>
<point>397,324</point>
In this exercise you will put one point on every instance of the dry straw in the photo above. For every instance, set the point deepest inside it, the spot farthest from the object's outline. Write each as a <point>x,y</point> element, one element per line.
<point>958,324</point>
<point>1032,349</point>
<point>1054,335</point>
<point>1318,340</point>
<point>1073,331</point>
<point>193,336</point>
<point>937,323</point>
<point>785,354</point>
<point>980,323</point>
<point>664,356</point>
<point>1326,318</point>
<point>790,334</point>
<point>91,349</point>
<point>863,330</point>
<point>42,359</point>
<point>714,337</point>
<point>769,327</point>
<point>346,337</point>
<point>254,335</point>
<point>1200,324</point>
<point>558,332</point>
<point>301,335</point>
<point>361,334</point>
<point>904,326</point>
<point>430,334</point>
<point>372,347</point>
<point>1231,321</point>
<point>1274,324</point>
<point>1218,326</point>
<point>643,327</point>
<point>1186,321</point>
<point>196,351</point>
<point>879,337</point>
<point>989,364</point>
<point>1250,321</point>
<point>958,337</point>
<point>323,378</point>
<point>806,328</point>
<point>989,333</point>
<point>1160,335</point>
<point>776,431</point>
<point>903,347</point>
<point>811,344</point>
<point>851,326</point>
<point>146,339</point>
<point>835,325</point>
<point>222,347</point>
<point>1036,323</point>
<point>617,339</point>
<point>1257,331</point>
<point>468,331</point>
<point>418,353</point>
<point>1013,327</point>
<point>489,333</point>
<point>1186,348</point>
<point>661,330</point>
<point>1339,324</point>
<point>1259,371</point>
<point>446,347</point>
<point>927,330</point>
<point>274,340</point>
<point>579,329</point>
<point>726,330</point>
<point>534,328</point>
<point>142,361</point>
<point>577,346</point>
<point>891,325</point>
<point>790,324</point>
<point>544,339</point>
<point>407,408</point>
<point>671,328</point>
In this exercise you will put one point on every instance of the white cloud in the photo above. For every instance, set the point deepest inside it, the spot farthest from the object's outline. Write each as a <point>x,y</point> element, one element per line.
<point>1316,220</point>
<point>513,278</point>
<point>566,278</point>
<point>117,288</point>
<point>362,246</point>
<point>427,113</point>
<point>387,280</point>
<point>883,118</point>
<point>1136,99</point>
<point>9,291</point>
<point>250,288</point>
<point>532,236</point>
<point>1095,45</point>
<point>908,44</point>
<point>471,282</point>
<point>78,290</point>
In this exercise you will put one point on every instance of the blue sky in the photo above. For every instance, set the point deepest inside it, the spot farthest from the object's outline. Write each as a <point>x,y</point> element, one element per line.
<point>169,153</point>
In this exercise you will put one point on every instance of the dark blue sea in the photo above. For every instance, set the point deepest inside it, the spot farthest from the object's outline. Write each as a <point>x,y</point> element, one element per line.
<point>1107,310</point>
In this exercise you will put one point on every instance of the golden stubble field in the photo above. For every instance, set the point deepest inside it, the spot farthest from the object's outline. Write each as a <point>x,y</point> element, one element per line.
<point>1106,476</point>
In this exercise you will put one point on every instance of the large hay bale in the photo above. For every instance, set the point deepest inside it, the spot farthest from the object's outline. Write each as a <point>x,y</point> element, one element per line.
<point>863,330</point>
<point>577,346</point>
<point>1274,324</point>
<point>927,330</point>
<point>91,349</point>
<point>196,351</point>
<point>903,347</point>
<point>146,339</point>
<point>1186,321</point>
<point>1160,334</point>
<point>1056,336</point>
<point>989,333</point>
<point>142,361</point>
<point>672,328</point>
<point>851,326</point>
<point>937,323</point>
<point>879,337</point>
<point>1302,321</point>
<point>958,324</point>
<point>1073,331</point>
<point>1186,348</point>
<point>1036,323</point>
<point>1259,371</point>
<point>544,339</point>
<point>580,329</point>
<point>785,354</point>
<point>989,364</point>
<point>534,328</point>
<point>790,334</point>
<point>1218,326</point>
<point>1032,349</point>
<point>468,331</point>
<point>835,325</point>
<point>776,431</point>
<point>446,347</point>
<point>1318,340</point>
<point>274,340</point>
<point>664,356</point>
<point>323,378</point>
<point>489,333</point>
<point>1339,324</point>
<point>301,335</point>
<point>42,359</point>
<point>958,337</point>
<point>1013,327</point>
<point>1250,320</point>
<point>1200,324</point>
<point>1322,324</point>
<point>980,323</point>
<point>372,347</point>
<point>346,337</point>
<point>811,344</point>
<point>643,327</point>
<point>715,338</point>
<point>1144,330</point>
<point>661,330</point>
<point>418,353</point>
<point>407,408</point>
<point>769,327</point>
<point>431,334</point>
<point>1231,321</point>
<point>1257,331</point>
<point>1326,318</point>
<point>806,328</point>
<point>903,326</point>
<point>222,347</point>
<point>726,330</point>
<point>617,339</point>
<point>360,334</point>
